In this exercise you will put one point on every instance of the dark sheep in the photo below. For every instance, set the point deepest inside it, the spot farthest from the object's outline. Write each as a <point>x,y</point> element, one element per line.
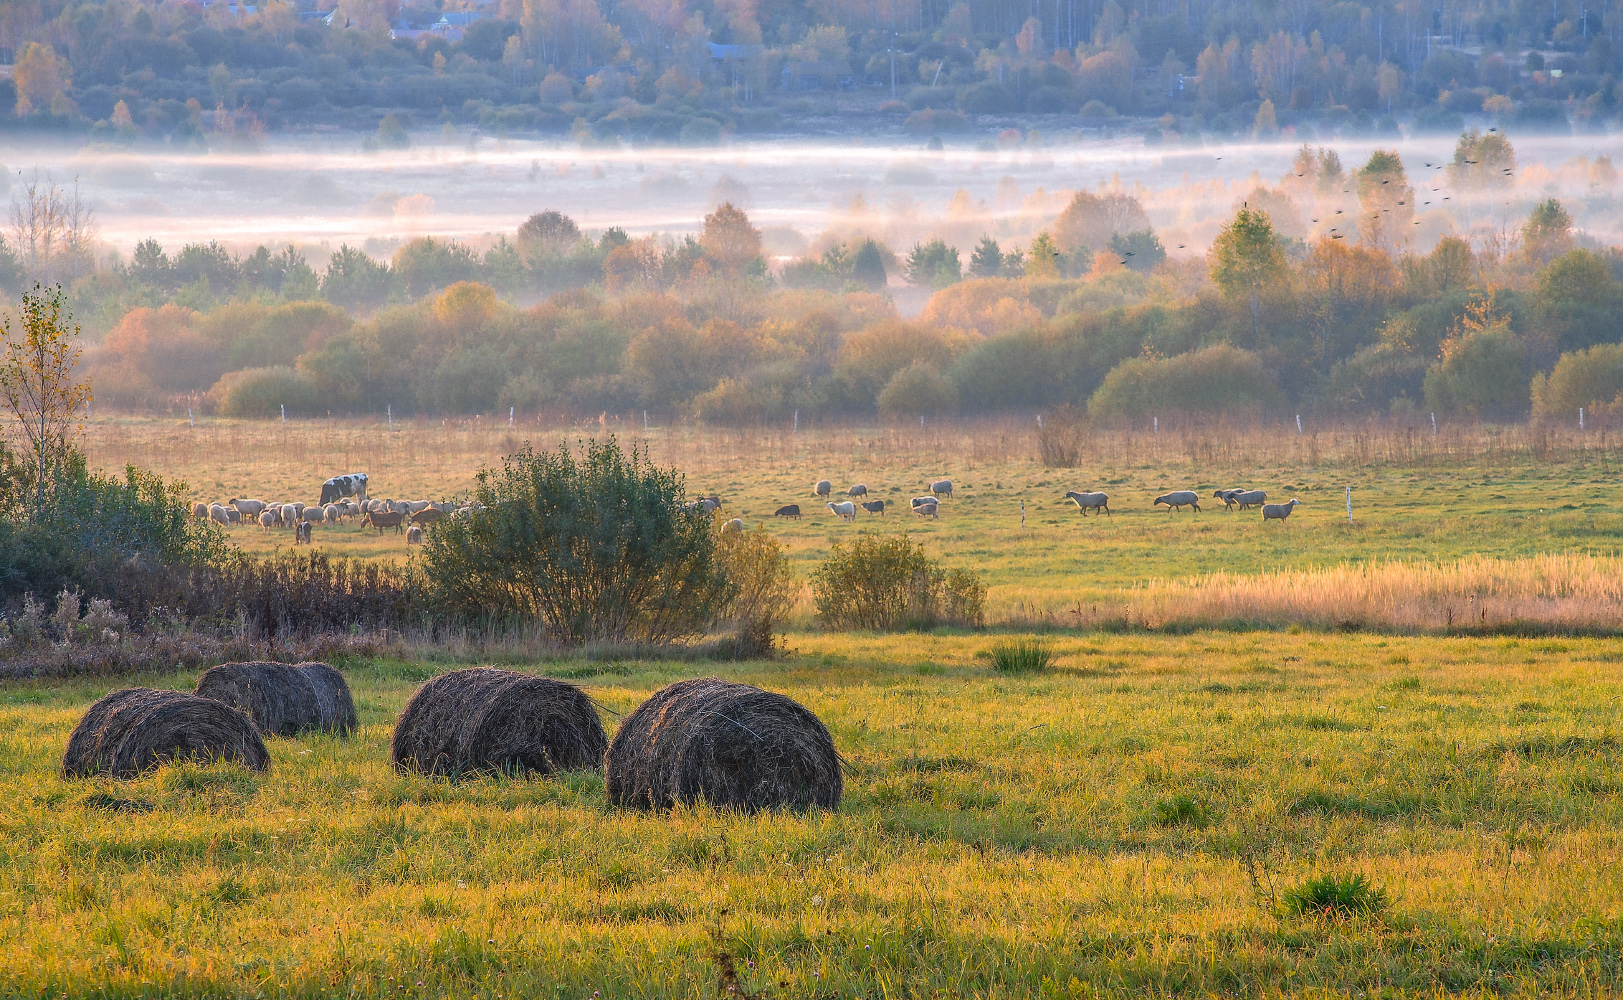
<point>788,510</point>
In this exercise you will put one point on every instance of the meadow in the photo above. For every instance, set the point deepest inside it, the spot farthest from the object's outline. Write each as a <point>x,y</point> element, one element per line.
<point>1137,819</point>
<point>1457,526</point>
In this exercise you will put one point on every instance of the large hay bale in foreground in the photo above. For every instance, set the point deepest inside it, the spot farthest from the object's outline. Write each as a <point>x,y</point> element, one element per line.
<point>731,745</point>
<point>283,700</point>
<point>136,729</point>
<point>483,719</point>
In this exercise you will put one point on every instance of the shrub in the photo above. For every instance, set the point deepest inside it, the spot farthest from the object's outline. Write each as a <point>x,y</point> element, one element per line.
<point>597,545</point>
<point>919,388</point>
<point>1483,374</point>
<point>761,589</point>
<point>884,583</point>
<point>1215,380</point>
<point>262,392</point>
<point>1180,810</point>
<point>1059,438</point>
<point>1590,378</point>
<point>1335,896</point>
<point>1019,656</point>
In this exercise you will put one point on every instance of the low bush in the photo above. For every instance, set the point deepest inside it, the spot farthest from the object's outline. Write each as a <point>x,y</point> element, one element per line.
<point>262,392</point>
<point>884,583</point>
<point>597,545</point>
<point>1021,656</point>
<point>1059,438</point>
<point>1214,380</point>
<point>1335,896</point>
<point>761,590</point>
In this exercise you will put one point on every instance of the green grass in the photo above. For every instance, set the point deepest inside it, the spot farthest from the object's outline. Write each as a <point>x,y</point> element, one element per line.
<point>1135,820</point>
<point>1019,656</point>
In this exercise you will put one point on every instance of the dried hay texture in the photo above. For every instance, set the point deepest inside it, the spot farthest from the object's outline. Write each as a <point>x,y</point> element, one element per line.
<point>483,720</point>
<point>731,745</point>
<point>137,729</point>
<point>283,700</point>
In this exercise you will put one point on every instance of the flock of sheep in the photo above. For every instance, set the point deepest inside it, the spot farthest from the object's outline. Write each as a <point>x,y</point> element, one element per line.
<point>846,510</point>
<point>404,516</point>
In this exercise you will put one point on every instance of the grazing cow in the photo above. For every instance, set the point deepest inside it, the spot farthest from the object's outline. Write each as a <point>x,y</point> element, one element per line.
<point>874,507</point>
<point>790,510</point>
<point>381,519</point>
<point>343,487</point>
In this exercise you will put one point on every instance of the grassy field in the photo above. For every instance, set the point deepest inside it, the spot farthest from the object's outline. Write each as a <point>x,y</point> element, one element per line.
<point>1132,821</point>
<point>1460,494</point>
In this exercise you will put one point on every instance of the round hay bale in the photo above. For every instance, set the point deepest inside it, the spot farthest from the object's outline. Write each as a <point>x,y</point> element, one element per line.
<point>731,745</point>
<point>332,695</point>
<point>280,700</point>
<point>483,719</point>
<point>137,729</point>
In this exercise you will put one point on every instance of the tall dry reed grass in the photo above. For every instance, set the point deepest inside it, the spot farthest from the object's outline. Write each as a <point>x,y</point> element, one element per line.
<point>1539,594</point>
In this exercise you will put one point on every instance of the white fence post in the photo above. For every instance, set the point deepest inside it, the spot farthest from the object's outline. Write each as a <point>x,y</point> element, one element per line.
<point>1349,505</point>
<point>1298,425</point>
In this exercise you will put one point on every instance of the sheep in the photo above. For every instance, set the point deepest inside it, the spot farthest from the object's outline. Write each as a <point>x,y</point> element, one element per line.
<point>789,510</point>
<point>290,514</point>
<point>329,513</point>
<point>248,508</point>
<point>200,510</point>
<point>414,535</point>
<point>1227,496</point>
<point>1089,501</point>
<point>823,487</point>
<point>298,509</point>
<point>857,490</point>
<point>715,501</point>
<point>267,520</point>
<point>928,510</point>
<point>733,527</point>
<point>314,514</point>
<point>416,506</point>
<point>381,519</point>
<point>874,507</point>
<point>350,509</point>
<point>941,488</point>
<point>703,506</point>
<point>217,514</point>
<point>1250,499</point>
<point>1278,511</point>
<point>921,501</point>
<point>301,533</point>
<point>1178,499</point>
<point>233,515</point>
<point>428,515</point>
<point>847,510</point>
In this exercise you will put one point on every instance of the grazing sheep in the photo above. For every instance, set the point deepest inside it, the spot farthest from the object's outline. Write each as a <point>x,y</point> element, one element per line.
<point>1227,496</point>
<point>714,500</point>
<point>921,501</point>
<point>329,513</point>
<point>217,514</point>
<point>233,515</point>
<point>414,535</point>
<point>941,487</point>
<point>298,509</point>
<point>416,506</point>
<point>1180,498</point>
<point>858,490</point>
<point>267,519</point>
<point>847,510</point>
<point>381,519</point>
<point>823,487</point>
<point>248,508</point>
<point>314,515</point>
<point>200,510</point>
<point>1089,501</point>
<point>1279,511</point>
<point>302,533</point>
<point>1250,499</point>
<point>351,509</point>
<point>789,510</point>
<point>733,527</point>
<point>874,507</point>
<point>428,515</point>
<point>928,510</point>
<point>290,514</point>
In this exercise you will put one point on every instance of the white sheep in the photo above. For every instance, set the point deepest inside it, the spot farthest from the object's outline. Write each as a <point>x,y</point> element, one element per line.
<point>1178,499</point>
<point>267,519</point>
<point>847,510</point>
<point>1279,511</point>
<point>931,509</point>
<point>1250,498</point>
<point>247,508</point>
<point>823,487</point>
<point>733,527</point>
<point>329,513</point>
<point>290,515</point>
<point>200,510</point>
<point>941,487</point>
<point>1089,501</point>
<point>921,501</point>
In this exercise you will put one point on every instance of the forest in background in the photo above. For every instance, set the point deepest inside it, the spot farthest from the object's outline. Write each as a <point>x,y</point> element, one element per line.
<point>198,75</point>
<point>1349,319</point>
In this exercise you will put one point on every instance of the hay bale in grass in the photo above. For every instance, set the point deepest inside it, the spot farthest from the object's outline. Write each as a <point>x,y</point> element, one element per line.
<point>136,729</point>
<point>283,700</point>
<point>332,694</point>
<point>731,745</point>
<point>483,720</point>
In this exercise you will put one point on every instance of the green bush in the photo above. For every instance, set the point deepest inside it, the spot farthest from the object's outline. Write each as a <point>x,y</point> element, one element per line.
<point>884,583</point>
<point>1591,378</point>
<point>761,590</point>
<point>1335,896</point>
<point>597,545</point>
<point>919,388</point>
<point>262,392</point>
<point>1220,379</point>
<point>1482,374</point>
<point>1019,656</point>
